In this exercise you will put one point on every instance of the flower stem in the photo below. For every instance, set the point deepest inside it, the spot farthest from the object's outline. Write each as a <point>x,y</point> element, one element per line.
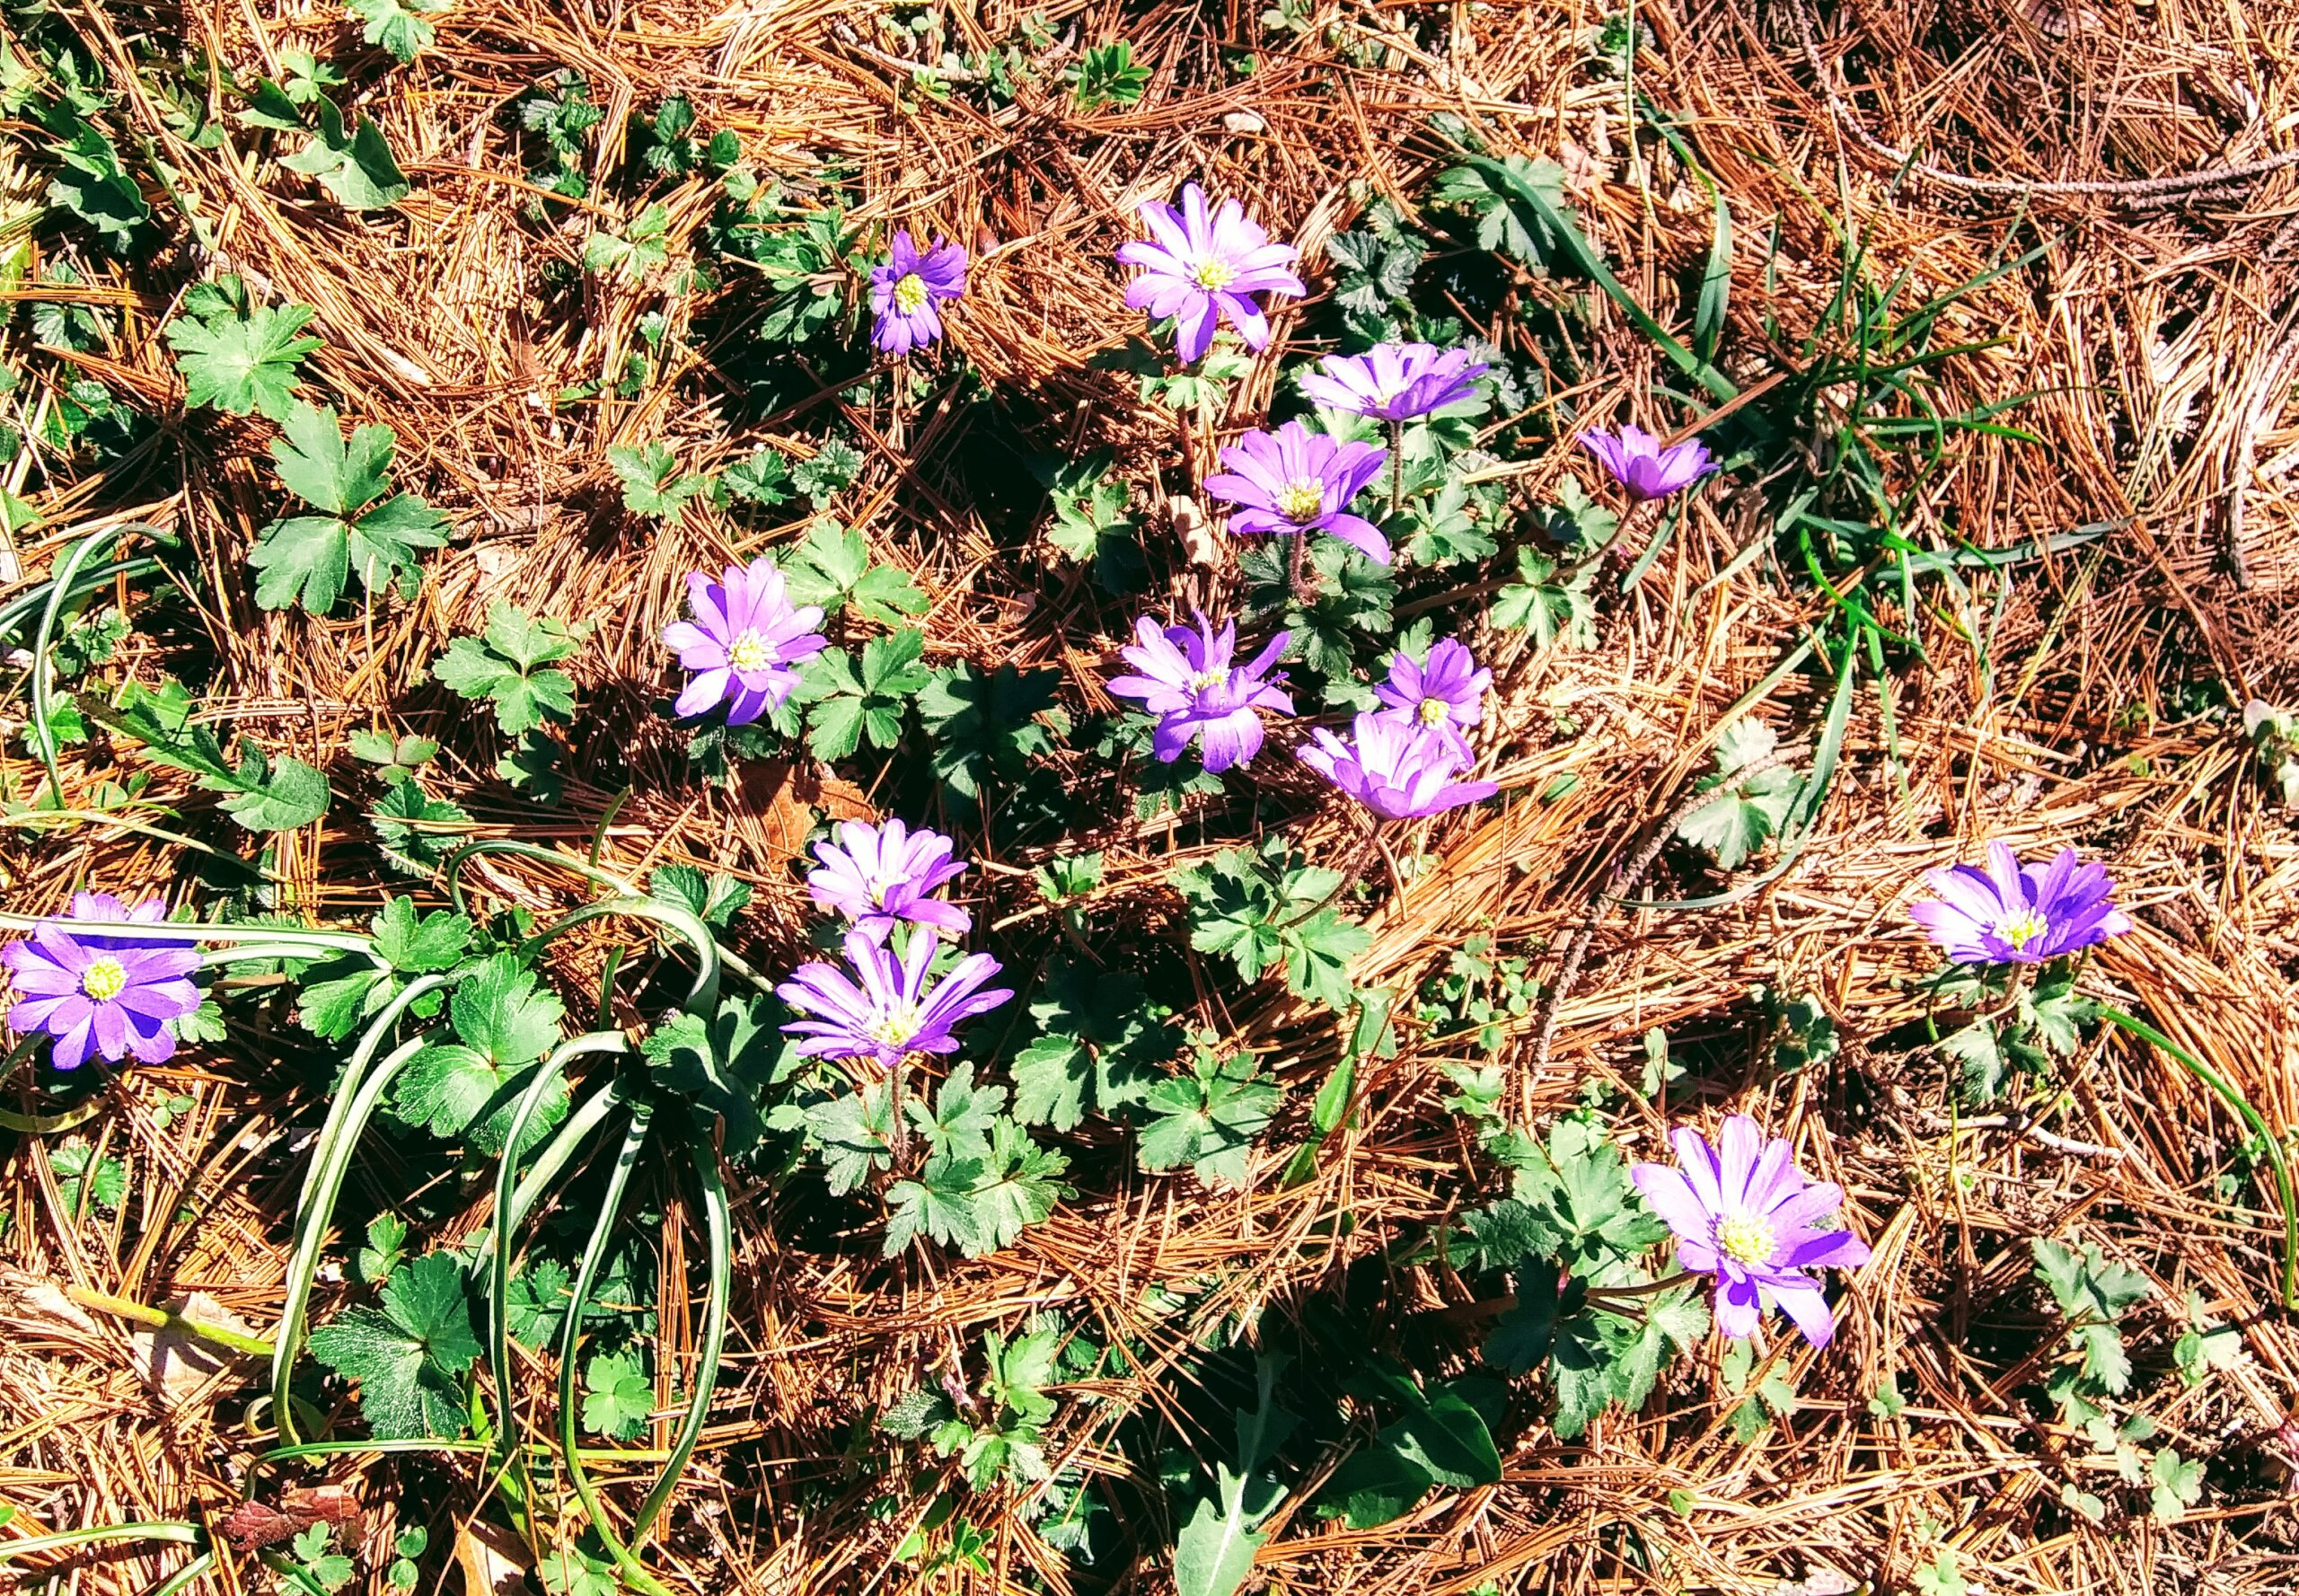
<point>1301,594</point>
<point>1397,468</point>
<point>2249,1116</point>
<point>162,1319</point>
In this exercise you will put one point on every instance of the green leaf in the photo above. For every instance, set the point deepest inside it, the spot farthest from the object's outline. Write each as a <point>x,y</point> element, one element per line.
<point>1209,1118</point>
<point>413,945</point>
<point>962,1116</point>
<point>986,726</point>
<point>415,831</point>
<point>644,248</point>
<point>844,705</point>
<point>331,1570</point>
<point>1105,74</point>
<point>763,478</point>
<point>505,668</point>
<point>386,1246</point>
<point>939,1203</point>
<point>828,472</point>
<point>398,25</point>
<point>1101,1044</point>
<point>354,166</point>
<point>408,1359</point>
<point>577,1570</point>
<point>470,1088</point>
<point>652,484</point>
<point>2177,1484</point>
<point>1578,1186</point>
<point>2092,1294</point>
<point>723,1068</point>
<point>77,1171</point>
<point>1019,1186</point>
<point>240,358</point>
<point>1517,230</point>
<point>308,559</point>
<point>1244,905</point>
<point>276,795</point>
<point>91,182</point>
<point>833,568</point>
<point>336,998</point>
<point>2206,1346</point>
<point>618,1398</point>
<point>714,899</point>
<point>854,1133</point>
<point>1447,1441</point>
<point>1216,1548</point>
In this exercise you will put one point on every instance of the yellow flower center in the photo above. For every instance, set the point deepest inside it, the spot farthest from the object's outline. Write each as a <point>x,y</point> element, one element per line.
<point>895,1029</point>
<point>1205,680</point>
<point>1213,275</point>
<point>749,652</point>
<point>1302,499</point>
<point>1747,1239</point>
<point>2020,929</point>
<point>910,294</point>
<point>104,980</point>
<point>1432,710</point>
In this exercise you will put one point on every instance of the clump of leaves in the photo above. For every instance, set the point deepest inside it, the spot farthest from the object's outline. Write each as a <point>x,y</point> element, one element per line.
<point>1215,1550</point>
<point>1105,74</point>
<point>308,560</point>
<point>996,1432</point>
<point>833,568</point>
<point>1099,1045</point>
<point>263,792</point>
<point>1091,523</point>
<point>1572,1230</point>
<point>642,247</point>
<point>1442,1436</point>
<point>2022,1024</point>
<point>1263,911</point>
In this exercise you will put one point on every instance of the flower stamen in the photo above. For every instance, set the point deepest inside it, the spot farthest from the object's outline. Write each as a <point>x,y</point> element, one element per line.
<point>1745,1238</point>
<point>1301,499</point>
<point>749,652</point>
<point>104,980</point>
<point>2016,930</point>
<point>910,294</point>
<point>1214,276</point>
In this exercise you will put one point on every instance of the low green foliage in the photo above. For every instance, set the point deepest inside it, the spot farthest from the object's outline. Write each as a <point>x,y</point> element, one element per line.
<point>360,531</point>
<point>509,668</point>
<point>408,1355</point>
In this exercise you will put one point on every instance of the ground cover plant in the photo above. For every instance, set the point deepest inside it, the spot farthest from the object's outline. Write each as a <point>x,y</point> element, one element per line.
<point>1136,799</point>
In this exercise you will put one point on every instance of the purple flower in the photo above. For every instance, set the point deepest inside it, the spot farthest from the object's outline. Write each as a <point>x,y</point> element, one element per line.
<point>98,992</point>
<point>1401,770</point>
<point>1188,682</point>
<point>1640,464</point>
<point>876,875</point>
<point>1299,481</point>
<point>1200,269</point>
<point>1744,1213</point>
<point>895,1011</point>
<point>1395,382</point>
<point>903,288</point>
<point>2014,914</point>
<point>742,641</point>
<point>1448,692</point>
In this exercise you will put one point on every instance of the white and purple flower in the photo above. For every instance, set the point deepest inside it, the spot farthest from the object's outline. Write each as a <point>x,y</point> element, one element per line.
<point>2010,913</point>
<point>1202,268</point>
<point>888,1008</point>
<point>1299,481</point>
<point>879,875</point>
<point>1401,770</point>
<point>1447,693</point>
<point>96,990</point>
<point>905,290</point>
<point>1640,464</point>
<point>741,642</point>
<point>1395,382</point>
<point>1743,1212</point>
<point>1188,680</point>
